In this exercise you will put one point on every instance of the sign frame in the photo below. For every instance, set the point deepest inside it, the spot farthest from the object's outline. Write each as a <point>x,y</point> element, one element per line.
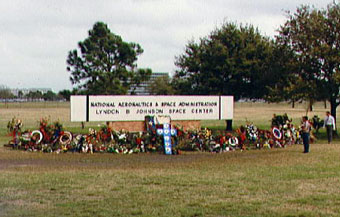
<point>135,108</point>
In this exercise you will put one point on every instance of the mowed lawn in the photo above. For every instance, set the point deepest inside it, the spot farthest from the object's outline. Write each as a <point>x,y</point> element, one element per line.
<point>276,182</point>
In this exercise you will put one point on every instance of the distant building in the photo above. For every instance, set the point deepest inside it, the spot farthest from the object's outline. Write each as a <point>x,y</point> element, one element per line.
<point>24,91</point>
<point>143,88</point>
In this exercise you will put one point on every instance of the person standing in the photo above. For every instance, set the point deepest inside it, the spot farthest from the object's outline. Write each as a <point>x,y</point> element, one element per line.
<point>305,126</point>
<point>329,123</point>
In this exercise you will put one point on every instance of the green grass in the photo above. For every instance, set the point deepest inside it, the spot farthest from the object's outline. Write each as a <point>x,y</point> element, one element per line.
<point>276,182</point>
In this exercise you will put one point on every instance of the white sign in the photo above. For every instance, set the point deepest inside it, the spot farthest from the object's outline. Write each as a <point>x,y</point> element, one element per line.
<point>135,108</point>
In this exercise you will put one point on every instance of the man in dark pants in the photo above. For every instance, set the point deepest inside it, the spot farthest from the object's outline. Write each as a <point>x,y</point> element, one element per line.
<point>305,126</point>
<point>329,123</point>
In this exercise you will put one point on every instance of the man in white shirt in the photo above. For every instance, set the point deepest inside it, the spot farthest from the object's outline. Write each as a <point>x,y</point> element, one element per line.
<point>329,123</point>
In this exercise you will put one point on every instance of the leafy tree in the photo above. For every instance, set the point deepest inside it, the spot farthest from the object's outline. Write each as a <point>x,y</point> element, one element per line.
<point>161,86</point>
<point>34,95</point>
<point>106,64</point>
<point>20,94</point>
<point>66,94</point>
<point>280,67</point>
<point>50,96</point>
<point>5,92</point>
<point>287,86</point>
<point>137,80</point>
<point>313,37</point>
<point>232,60</point>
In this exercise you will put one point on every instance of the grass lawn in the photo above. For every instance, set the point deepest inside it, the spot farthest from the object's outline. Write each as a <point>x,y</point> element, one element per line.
<point>276,182</point>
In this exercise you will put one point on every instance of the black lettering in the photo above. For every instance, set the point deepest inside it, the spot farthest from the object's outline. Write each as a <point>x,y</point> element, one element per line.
<point>109,112</point>
<point>177,111</point>
<point>168,104</point>
<point>149,111</point>
<point>102,104</point>
<point>202,111</point>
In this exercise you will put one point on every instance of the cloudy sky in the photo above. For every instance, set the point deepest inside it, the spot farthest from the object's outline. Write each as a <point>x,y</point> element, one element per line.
<point>36,35</point>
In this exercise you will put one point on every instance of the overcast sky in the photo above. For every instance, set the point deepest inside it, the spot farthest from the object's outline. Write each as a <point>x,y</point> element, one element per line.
<point>36,35</point>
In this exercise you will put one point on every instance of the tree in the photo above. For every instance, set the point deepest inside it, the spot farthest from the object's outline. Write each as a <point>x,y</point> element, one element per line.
<point>287,85</point>
<point>20,94</point>
<point>50,96</point>
<point>137,80</point>
<point>106,64</point>
<point>313,36</point>
<point>232,60</point>
<point>34,95</point>
<point>66,94</point>
<point>161,86</point>
<point>5,92</point>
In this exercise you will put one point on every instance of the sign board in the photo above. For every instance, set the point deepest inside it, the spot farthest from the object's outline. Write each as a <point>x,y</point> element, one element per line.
<point>135,108</point>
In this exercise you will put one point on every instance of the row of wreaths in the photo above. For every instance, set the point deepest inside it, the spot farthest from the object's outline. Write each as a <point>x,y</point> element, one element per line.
<point>52,138</point>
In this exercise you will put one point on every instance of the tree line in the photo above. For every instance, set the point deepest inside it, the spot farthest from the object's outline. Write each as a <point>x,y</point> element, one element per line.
<point>302,62</point>
<point>6,94</point>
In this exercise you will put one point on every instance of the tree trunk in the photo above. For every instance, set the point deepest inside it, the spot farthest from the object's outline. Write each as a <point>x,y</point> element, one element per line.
<point>311,105</point>
<point>325,103</point>
<point>333,108</point>
<point>334,104</point>
<point>293,104</point>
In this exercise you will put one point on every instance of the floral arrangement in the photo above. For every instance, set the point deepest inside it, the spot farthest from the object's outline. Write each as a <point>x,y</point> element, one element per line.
<point>53,138</point>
